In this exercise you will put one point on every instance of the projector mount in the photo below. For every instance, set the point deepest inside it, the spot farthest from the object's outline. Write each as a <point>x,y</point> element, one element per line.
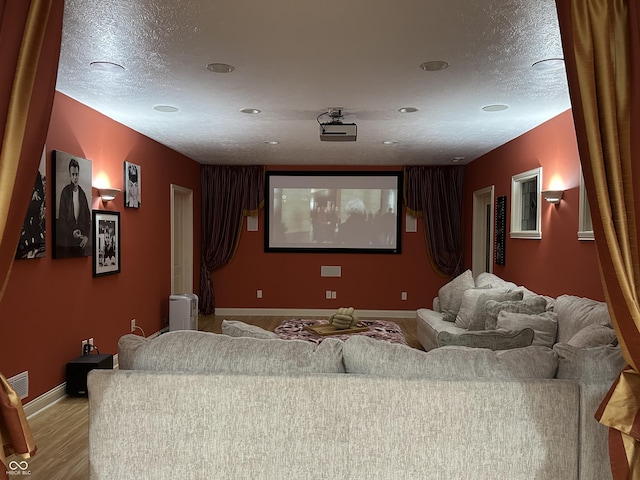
<point>335,114</point>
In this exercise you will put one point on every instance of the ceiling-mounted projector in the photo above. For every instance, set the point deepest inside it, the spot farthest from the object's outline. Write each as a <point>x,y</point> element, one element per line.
<point>335,130</point>
<point>338,132</point>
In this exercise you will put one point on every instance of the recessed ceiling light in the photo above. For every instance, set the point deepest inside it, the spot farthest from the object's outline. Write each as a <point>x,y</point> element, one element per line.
<point>390,142</point>
<point>220,68</point>
<point>250,110</point>
<point>457,159</point>
<point>408,109</point>
<point>495,108</point>
<point>106,67</point>
<point>271,142</point>
<point>434,66</point>
<point>166,108</point>
<point>549,64</point>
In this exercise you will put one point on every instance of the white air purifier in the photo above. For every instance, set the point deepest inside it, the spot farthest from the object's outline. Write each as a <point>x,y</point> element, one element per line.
<point>183,311</point>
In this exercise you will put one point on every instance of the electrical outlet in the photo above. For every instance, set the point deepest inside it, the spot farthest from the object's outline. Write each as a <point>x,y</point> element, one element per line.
<point>327,294</point>
<point>259,293</point>
<point>133,324</point>
<point>84,342</point>
<point>333,295</point>
<point>404,295</point>
<point>91,341</point>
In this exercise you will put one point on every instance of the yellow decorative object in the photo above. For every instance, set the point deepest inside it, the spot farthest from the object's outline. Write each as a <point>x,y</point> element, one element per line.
<point>345,318</point>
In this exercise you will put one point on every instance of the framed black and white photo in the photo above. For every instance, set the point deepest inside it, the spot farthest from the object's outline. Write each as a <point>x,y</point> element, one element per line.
<point>32,237</point>
<point>72,199</point>
<point>346,212</point>
<point>106,240</point>
<point>132,193</point>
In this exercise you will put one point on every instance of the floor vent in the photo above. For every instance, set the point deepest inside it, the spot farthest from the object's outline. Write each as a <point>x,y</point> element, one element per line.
<point>20,383</point>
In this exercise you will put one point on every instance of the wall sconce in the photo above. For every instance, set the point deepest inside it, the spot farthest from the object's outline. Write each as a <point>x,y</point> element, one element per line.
<point>108,194</point>
<point>553,196</point>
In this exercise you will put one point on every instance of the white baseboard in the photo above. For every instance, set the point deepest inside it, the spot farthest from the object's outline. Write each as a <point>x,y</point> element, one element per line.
<point>319,312</point>
<point>45,400</point>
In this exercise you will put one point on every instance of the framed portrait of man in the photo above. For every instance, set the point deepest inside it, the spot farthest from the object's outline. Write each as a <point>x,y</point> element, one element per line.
<point>132,193</point>
<point>72,199</point>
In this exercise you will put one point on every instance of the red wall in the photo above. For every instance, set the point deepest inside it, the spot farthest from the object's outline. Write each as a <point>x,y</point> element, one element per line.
<point>51,305</point>
<point>292,280</point>
<point>559,262</point>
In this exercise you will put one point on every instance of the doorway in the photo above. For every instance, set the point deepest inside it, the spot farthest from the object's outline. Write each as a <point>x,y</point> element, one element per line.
<point>482,238</point>
<point>181,240</point>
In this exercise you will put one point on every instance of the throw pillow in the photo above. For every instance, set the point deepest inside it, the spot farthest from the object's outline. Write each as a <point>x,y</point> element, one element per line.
<point>367,356</point>
<point>234,328</point>
<point>491,280</point>
<point>128,345</point>
<point>471,299</point>
<point>491,339</point>
<point>593,336</point>
<point>488,312</point>
<point>589,365</point>
<point>450,295</point>
<point>545,325</point>
<point>575,313</point>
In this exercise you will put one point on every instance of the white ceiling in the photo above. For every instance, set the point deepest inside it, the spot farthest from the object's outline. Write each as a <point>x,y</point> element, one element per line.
<point>295,58</point>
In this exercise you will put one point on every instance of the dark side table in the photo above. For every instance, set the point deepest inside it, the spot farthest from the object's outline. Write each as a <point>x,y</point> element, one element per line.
<point>78,369</point>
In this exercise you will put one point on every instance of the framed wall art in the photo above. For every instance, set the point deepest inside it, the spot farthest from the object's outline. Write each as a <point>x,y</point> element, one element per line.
<point>72,199</point>
<point>132,193</point>
<point>106,235</point>
<point>501,229</point>
<point>32,237</point>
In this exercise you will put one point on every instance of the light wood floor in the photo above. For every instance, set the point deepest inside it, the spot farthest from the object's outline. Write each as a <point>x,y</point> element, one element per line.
<point>61,432</point>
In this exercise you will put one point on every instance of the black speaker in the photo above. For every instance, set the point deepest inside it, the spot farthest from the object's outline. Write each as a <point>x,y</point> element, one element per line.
<point>78,369</point>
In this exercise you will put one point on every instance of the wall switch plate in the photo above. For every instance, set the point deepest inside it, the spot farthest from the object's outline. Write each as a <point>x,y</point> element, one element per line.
<point>333,295</point>
<point>327,294</point>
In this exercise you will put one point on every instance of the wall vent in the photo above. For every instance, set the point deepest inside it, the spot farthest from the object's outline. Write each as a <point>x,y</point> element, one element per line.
<point>20,383</point>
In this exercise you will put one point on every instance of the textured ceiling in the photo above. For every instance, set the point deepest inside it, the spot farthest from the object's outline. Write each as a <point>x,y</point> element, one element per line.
<point>295,58</point>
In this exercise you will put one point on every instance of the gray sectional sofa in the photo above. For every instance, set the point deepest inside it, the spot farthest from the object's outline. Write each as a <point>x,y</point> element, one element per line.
<point>200,405</point>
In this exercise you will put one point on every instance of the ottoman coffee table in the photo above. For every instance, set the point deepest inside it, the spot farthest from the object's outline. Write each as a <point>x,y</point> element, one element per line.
<point>294,329</point>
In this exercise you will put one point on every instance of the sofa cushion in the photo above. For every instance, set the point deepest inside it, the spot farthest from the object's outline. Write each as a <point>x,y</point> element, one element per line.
<point>472,298</point>
<point>450,295</point>
<point>489,311</point>
<point>593,336</point>
<point>576,313</point>
<point>195,351</point>
<point>491,339</point>
<point>364,355</point>
<point>545,325</point>
<point>589,365</point>
<point>235,328</point>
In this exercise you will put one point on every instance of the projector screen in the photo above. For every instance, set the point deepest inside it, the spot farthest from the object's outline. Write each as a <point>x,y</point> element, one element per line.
<point>333,211</point>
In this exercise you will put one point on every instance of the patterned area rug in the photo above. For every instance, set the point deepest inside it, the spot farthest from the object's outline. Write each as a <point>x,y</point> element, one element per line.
<point>378,329</point>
